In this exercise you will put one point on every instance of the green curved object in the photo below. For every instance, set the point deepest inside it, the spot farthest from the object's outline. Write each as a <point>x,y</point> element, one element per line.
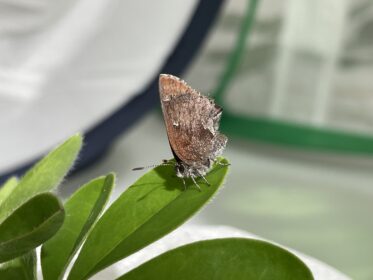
<point>300,136</point>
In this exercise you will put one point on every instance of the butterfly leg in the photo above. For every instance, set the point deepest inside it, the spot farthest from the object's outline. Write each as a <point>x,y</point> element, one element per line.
<point>204,179</point>
<point>184,183</point>
<point>194,181</point>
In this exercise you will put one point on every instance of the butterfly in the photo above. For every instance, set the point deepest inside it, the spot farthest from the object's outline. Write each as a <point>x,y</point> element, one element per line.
<point>192,125</point>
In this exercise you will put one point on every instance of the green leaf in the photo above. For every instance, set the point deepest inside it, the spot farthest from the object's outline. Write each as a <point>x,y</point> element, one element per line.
<point>82,210</point>
<point>30,225</point>
<point>44,176</point>
<point>21,268</point>
<point>7,188</point>
<point>229,258</point>
<point>152,207</point>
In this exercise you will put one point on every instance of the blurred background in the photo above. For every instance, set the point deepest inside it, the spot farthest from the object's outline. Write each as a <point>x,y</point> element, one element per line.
<point>294,78</point>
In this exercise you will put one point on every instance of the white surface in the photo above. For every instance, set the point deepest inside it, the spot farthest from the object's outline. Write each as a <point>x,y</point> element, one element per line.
<point>189,234</point>
<point>66,65</point>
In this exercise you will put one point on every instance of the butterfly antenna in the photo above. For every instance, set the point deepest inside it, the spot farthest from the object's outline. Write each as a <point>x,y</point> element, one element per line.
<point>164,163</point>
<point>218,162</point>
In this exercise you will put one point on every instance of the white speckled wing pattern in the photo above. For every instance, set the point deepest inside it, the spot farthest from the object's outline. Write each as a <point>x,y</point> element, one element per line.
<point>192,122</point>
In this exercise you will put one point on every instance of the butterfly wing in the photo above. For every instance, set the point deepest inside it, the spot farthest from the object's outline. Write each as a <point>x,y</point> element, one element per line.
<point>192,122</point>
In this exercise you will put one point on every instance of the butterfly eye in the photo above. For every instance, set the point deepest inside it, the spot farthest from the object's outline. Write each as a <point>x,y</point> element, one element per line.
<point>181,168</point>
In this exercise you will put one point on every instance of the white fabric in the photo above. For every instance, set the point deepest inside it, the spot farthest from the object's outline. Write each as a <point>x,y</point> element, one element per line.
<point>64,65</point>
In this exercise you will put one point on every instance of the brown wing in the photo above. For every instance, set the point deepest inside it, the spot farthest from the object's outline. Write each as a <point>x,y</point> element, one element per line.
<point>191,120</point>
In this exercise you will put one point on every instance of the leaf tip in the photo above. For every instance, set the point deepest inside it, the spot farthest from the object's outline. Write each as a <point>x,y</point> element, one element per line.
<point>77,138</point>
<point>110,178</point>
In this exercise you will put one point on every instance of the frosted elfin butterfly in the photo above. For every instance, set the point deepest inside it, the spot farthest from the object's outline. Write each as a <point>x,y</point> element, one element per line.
<point>192,123</point>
